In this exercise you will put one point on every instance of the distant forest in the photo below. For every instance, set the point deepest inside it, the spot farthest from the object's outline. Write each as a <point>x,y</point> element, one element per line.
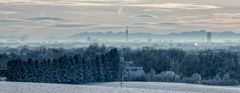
<point>212,67</point>
<point>98,63</point>
<point>94,65</point>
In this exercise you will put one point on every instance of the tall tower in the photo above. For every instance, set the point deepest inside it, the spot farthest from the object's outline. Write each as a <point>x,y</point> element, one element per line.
<point>127,33</point>
<point>209,36</point>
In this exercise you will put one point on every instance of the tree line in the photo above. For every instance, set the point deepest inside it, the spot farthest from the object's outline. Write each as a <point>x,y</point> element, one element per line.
<point>208,65</point>
<point>96,64</point>
<point>102,64</point>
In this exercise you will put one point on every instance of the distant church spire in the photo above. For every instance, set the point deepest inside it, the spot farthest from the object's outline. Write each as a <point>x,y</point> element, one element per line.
<point>126,33</point>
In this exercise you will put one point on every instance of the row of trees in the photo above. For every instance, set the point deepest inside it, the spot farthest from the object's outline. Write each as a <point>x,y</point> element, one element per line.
<point>96,64</point>
<point>209,64</point>
<point>36,53</point>
<point>99,64</point>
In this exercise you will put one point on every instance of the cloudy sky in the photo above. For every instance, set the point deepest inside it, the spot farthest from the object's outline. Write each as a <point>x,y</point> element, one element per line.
<point>60,18</point>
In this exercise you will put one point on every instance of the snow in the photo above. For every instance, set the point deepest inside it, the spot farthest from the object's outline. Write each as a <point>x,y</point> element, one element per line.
<point>113,87</point>
<point>20,87</point>
<point>180,87</point>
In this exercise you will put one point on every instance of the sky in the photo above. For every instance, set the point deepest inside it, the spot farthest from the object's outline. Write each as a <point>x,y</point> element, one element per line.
<point>62,18</point>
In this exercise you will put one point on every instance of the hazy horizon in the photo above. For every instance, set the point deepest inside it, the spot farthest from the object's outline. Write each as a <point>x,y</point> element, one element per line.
<point>61,18</point>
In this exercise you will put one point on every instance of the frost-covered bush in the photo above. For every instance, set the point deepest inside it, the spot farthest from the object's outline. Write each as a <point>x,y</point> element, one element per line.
<point>168,76</point>
<point>195,79</point>
<point>130,77</point>
<point>217,80</point>
<point>228,81</point>
<point>150,76</point>
<point>140,78</point>
<point>3,78</point>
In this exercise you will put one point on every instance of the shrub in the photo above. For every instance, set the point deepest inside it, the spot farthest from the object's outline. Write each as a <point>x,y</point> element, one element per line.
<point>151,75</point>
<point>3,78</point>
<point>133,78</point>
<point>228,81</point>
<point>217,80</point>
<point>195,79</point>
<point>168,76</point>
<point>140,78</point>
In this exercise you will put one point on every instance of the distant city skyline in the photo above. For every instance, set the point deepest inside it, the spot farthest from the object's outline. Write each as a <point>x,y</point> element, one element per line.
<point>61,18</point>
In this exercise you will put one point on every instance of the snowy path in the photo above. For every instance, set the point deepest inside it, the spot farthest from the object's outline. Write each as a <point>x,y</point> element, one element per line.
<point>132,87</point>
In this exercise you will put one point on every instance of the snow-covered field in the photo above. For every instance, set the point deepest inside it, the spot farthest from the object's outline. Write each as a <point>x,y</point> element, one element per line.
<point>113,87</point>
<point>180,87</point>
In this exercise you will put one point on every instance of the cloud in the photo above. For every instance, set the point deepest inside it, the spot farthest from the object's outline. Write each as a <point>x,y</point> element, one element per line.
<point>226,15</point>
<point>213,21</point>
<point>153,15</point>
<point>144,16</point>
<point>176,6</point>
<point>140,23</point>
<point>10,20</point>
<point>168,23</point>
<point>144,23</point>
<point>7,12</point>
<point>156,25</point>
<point>157,10</point>
<point>55,2</point>
<point>73,25</point>
<point>30,21</point>
<point>46,19</point>
<point>110,26</point>
<point>22,23</point>
<point>131,3</point>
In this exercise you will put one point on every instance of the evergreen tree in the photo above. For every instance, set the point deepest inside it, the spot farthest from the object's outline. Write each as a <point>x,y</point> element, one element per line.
<point>99,68</point>
<point>115,65</point>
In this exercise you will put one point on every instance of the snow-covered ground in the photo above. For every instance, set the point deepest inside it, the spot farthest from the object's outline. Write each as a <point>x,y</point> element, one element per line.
<point>113,87</point>
<point>180,87</point>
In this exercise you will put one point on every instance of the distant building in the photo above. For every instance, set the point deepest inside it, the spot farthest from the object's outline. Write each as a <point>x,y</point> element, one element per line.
<point>135,71</point>
<point>131,69</point>
<point>209,36</point>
